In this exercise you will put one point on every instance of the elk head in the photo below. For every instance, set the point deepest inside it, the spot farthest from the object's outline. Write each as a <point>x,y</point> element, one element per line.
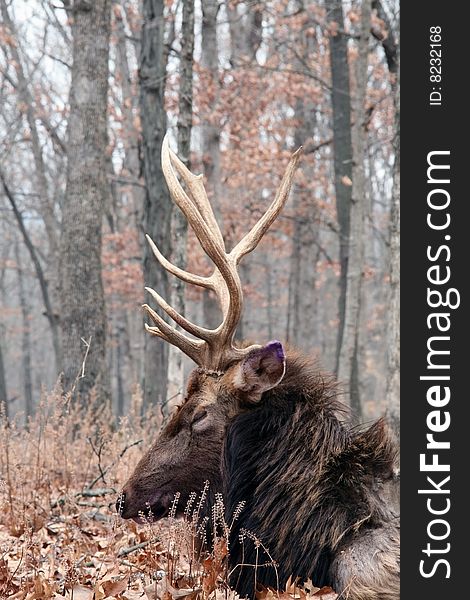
<point>227,380</point>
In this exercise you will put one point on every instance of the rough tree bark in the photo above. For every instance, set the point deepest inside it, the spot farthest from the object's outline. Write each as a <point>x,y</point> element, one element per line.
<point>127,323</point>
<point>25,338</point>
<point>245,21</point>
<point>157,208</point>
<point>83,315</point>
<point>211,136</point>
<point>268,272</point>
<point>179,225</point>
<point>304,256</point>
<point>301,319</point>
<point>3,383</point>
<point>131,139</point>
<point>120,369</point>
<point>245,25</point>
<point>4,411</point>
<point>348,359</point>
<point>393,319</point>
<point>342,150</point>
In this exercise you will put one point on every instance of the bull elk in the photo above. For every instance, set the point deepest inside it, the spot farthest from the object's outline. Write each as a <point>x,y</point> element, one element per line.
<point>264,426</point>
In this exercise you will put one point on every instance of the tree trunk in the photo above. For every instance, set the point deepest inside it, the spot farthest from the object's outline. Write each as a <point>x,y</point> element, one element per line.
<point>120,369</point>
<point>305,251</point>
<point>129,215</point>
<point>348,370</point>
<point>3,383</point>
<point>157,208</point>
<point>393,318</point>
<point>342,149</point>
<point>25,339</point>
<point>293,305</point>
<point>83,317</point>
<point>245,22</point>
<point>179,225</point>
<point>131,137</point>
<point>304,256</point>
<point>4,409</point>
<point>210,131</point>
<point>268,267</point>
<point>245,25</point>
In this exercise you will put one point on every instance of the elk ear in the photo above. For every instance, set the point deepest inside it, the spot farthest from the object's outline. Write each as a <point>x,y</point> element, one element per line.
<point>261,370</point>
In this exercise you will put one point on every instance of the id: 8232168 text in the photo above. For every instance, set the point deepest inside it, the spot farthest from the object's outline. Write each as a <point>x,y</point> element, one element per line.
<point>435,65</point>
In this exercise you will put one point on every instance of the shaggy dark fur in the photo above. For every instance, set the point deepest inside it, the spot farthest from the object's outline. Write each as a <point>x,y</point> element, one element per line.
<point>310,482</point>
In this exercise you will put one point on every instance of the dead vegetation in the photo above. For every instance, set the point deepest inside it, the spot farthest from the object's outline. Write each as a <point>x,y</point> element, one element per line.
<point>60,536</point>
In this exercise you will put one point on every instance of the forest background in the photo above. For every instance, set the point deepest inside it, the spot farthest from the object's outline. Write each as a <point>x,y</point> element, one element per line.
<point>87,92</point>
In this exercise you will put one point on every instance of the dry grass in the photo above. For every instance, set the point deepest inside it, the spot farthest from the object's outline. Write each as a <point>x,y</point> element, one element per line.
<point>60,536</point>
<point>59,479</point>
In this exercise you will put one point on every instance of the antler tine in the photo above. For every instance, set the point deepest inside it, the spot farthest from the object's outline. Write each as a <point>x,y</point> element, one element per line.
<point>204,282</point>
<point>211,246</point>
<point>199,332</point>
<point>249,242</point>
<point>193,348</point>
<point>196,187</point>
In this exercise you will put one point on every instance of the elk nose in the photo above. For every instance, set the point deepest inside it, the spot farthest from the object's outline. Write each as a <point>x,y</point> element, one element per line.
<point>120,503</point>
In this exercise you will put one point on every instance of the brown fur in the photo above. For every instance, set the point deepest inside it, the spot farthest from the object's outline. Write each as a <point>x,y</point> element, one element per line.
<point>317,491</point>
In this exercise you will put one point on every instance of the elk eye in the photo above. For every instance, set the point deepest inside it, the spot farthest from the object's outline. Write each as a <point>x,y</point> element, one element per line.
<point>199,416</point>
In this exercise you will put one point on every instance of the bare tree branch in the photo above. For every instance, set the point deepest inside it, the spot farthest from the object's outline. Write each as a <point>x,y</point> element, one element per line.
<point>51,316</point>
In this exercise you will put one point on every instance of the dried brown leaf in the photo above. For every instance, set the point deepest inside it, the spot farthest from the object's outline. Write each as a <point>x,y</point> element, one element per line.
<point>113,588</point>
<point>326,593</point>
<point>178,594</point>
<point>80,592</point>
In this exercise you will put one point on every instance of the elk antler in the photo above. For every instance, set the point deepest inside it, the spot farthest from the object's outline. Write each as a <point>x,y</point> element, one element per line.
<point>212,349</point>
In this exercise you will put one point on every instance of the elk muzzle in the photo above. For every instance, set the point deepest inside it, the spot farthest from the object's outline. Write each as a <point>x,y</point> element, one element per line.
<point>156,508</point>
